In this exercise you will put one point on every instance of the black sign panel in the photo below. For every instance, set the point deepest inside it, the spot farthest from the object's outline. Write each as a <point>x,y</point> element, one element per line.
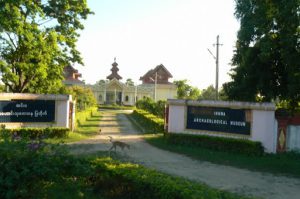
<point>27,111</point>
<point>218,119</point>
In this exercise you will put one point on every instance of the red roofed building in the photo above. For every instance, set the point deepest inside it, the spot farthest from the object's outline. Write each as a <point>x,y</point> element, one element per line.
<point>155,85</point>
<point>160,73</point>
<point>72,76</point>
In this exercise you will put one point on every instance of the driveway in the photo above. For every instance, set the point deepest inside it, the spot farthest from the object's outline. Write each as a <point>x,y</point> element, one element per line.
<point>241,181</point>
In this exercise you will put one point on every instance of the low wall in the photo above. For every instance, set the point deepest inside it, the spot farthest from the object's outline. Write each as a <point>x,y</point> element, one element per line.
<point>36,110</point>
<point>253,121</point>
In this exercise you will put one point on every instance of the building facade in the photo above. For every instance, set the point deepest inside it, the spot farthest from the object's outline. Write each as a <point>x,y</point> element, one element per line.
<point>155,85</point>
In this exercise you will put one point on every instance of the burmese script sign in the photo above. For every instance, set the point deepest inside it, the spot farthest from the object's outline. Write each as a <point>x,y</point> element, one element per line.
<point>226,120</point>
<point>27,111</point>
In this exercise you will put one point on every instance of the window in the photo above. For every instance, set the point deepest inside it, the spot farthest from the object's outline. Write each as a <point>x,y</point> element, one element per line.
<point>100,97</point>
<point>126,98</point>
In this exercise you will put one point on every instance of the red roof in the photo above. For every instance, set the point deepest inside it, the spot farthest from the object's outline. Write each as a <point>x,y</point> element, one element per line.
<point>162,73</point>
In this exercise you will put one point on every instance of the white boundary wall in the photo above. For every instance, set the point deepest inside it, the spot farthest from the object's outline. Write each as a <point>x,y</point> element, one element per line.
<point>263,122</point>
<point>62,107</point>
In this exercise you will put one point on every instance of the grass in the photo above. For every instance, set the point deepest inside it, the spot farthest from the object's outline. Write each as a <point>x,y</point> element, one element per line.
<point>87,125</point>
<point>287,164</point>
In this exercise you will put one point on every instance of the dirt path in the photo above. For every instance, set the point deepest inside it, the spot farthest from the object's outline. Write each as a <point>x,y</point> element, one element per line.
<point>116,124</point>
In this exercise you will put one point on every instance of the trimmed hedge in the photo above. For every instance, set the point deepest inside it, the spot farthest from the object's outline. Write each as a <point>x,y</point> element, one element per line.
<point>81,116</point>
<point>116,107</point>
<point>150,122</point>
<point>33,133</point>
<point>127,181</point>
<point>149,105</point>
<point>231,145</point>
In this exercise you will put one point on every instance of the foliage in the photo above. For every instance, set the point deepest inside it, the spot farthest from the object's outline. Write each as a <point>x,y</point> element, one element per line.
<point>83,116</point>
<point>2,88</point>
<point>46,171</point>
<point>101,81</point>
<point>116,107</point>
<point>238,146</point>
<point>34,133</point>
<point>37,40</point>
<point>208,94</point>
<point>186,91</point>
<point>151,123</point>
<point>149,105</point>
<point>129,82</point>
<point>267,57</point>
<point>222,95</point>
<point>83,95</point>
<point>127,181</point>
<point>50,172</point>
<point>86,126</point>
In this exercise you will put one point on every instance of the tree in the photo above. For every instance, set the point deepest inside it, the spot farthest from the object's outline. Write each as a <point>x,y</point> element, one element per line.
<point>101,82</point>
<point>37,40</point>
<point>208,94</point>
<point>186,91</point>
<point>2,88</point>
<point>194,93</point>
<point>129,82</point>
<point>267,55</point>
<point>84,96</point>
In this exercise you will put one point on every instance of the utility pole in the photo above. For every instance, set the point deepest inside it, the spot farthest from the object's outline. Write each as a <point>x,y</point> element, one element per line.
<point>135,93</point>
<point>217,68</point>
<point>155,85</point>
<point>217,65</point>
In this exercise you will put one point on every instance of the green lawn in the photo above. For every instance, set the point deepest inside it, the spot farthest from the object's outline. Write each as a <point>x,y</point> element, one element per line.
<point>87,125</point>
<point>284,164</point>
<point>287,164</point>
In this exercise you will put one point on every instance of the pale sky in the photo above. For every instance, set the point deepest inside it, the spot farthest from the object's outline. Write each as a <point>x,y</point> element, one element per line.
<point>142,34</point>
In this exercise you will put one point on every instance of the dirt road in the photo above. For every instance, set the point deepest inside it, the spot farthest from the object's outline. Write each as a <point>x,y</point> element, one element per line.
<point>117,125</point>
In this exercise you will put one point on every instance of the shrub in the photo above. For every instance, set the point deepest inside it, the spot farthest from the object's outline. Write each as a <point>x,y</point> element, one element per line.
<point>84,97</point>
<point>150,122</point>
<point>155,108</point>
<point>33,133</point>
<point>127,181</point>
<point>82,116</point>
<point>217,143</point>
<point>116,107</point>
<point>40,172</point>
<point>48,171</point>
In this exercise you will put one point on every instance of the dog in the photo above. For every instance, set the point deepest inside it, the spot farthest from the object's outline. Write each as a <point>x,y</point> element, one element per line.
<point>116,144</point>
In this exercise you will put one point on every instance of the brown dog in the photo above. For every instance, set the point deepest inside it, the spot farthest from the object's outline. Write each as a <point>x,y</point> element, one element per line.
<point>116,144</point>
